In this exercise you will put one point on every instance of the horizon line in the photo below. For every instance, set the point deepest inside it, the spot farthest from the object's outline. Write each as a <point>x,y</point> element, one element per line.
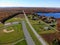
<point>27,6</point>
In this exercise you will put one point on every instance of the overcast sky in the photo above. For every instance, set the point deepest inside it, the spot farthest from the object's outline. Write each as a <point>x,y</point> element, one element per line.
<point>30,3</point>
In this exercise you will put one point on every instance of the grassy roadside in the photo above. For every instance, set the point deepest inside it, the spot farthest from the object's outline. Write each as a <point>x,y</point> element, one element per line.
<point>40,27</point>
<point>22,43</point>
<point>33,35</point>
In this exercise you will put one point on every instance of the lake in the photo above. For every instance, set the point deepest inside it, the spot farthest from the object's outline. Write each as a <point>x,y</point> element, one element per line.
<point>56,15</point>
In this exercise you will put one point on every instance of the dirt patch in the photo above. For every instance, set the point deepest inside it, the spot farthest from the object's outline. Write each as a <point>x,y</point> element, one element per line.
<point>50,37</point>
<point>6,31</point>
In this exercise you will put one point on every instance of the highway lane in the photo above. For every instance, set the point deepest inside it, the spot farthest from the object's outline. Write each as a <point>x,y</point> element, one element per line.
<point>28,38</point>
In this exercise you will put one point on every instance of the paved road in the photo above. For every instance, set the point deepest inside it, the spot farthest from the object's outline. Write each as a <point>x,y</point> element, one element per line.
<point>36,34</point>
<point>27,35</point>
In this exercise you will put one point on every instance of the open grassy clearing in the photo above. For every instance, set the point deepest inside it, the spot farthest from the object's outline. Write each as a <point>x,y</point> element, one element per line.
<point>15,19</point>
<point>1,25</point>
<point>12,36</point>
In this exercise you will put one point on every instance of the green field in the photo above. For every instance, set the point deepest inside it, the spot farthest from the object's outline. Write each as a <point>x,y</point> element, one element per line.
<point>14,19</point>
<point>1,25</point>
<point>8,38</point>
<point>11,36</point>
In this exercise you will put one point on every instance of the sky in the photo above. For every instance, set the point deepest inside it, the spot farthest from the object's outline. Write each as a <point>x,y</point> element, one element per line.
<point>30,3</point>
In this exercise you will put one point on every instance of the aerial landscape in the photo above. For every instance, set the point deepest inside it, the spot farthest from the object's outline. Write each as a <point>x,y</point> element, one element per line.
<point>27,23</point>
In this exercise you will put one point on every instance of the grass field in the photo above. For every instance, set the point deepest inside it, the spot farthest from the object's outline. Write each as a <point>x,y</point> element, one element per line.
<point>14,36</point>
<point>13,19</point>
<point>1,25</point>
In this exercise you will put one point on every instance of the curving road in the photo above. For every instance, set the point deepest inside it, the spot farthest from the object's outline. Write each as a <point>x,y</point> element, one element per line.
<point>27,35</point>
<point>36,34</point>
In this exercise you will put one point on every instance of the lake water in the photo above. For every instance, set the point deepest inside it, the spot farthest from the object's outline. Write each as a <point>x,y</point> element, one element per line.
<point>56,15</point>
